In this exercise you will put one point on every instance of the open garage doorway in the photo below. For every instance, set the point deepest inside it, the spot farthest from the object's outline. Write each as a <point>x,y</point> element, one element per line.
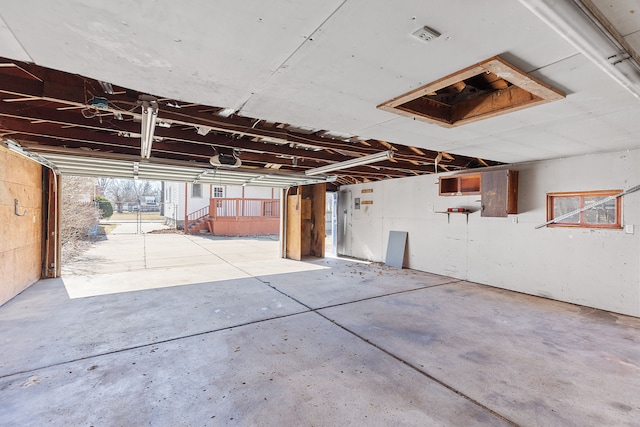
<point>136,205</point>
<point>129,254</point>
<point>92,208</point>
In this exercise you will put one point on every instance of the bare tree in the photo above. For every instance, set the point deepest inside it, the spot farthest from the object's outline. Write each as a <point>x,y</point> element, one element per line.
<point>102,185</point>
<point>79,215</point>
<point>142,188</point>
<point>121,191</point>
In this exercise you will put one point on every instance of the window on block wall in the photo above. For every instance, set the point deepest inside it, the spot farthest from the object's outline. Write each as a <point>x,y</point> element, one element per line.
<point>196,190</point>
<point>606,215</point>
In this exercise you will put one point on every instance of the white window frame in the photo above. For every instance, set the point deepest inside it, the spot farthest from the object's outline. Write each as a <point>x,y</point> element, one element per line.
<point>196,194</point>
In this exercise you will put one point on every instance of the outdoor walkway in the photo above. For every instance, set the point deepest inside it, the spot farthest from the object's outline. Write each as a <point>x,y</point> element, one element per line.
<point>134,262</point>
<point>248,339</point>
<point>134,227</point>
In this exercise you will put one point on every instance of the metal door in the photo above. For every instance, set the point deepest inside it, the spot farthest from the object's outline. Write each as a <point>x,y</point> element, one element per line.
<point>344,222</point>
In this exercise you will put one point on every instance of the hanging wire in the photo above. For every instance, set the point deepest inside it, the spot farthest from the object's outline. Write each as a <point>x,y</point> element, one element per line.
<point>89,112</point>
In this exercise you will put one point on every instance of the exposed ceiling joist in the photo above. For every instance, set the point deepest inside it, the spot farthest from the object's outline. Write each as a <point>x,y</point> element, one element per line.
<point>69,111</point>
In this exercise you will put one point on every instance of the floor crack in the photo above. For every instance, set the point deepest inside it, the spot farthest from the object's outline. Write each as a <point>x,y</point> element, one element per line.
<point>389,353</point>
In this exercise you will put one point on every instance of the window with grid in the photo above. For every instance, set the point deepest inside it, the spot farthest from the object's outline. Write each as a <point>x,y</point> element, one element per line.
<point>196,190</point>
<point>218,192</point>
<point>606,215</point>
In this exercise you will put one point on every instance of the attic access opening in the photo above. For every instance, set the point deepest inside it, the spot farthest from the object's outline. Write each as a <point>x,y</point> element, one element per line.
<point>484,90</point>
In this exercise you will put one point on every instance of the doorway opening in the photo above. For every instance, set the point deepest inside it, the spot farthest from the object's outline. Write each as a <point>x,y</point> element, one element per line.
<point>331,224</point>
<point>92,208</point>
<point>141,244</point>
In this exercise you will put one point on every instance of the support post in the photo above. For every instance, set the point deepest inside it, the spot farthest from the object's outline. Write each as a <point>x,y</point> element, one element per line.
<point>186,201</point>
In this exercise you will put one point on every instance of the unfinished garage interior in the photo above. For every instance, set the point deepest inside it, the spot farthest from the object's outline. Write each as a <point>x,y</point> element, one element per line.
<point>486,161</point>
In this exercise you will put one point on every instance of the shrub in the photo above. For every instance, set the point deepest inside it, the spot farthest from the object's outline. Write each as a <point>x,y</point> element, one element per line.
<point>105,207</point>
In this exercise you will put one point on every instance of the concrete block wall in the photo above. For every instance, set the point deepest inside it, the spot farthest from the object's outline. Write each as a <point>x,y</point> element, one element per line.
<point>592,267</point>
<point>20,236</point>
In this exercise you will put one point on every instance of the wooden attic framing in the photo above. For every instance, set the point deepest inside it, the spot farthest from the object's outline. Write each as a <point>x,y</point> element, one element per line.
<point>49,111</point>
<point>487,89</point>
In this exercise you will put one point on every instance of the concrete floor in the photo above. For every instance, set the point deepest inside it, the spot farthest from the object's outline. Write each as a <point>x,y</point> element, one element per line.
<point>250,339</point>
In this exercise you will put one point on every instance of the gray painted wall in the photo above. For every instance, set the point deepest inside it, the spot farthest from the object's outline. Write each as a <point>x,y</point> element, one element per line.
<point>593,267</point>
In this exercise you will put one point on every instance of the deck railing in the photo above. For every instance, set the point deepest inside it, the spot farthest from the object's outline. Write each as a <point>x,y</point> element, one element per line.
<point>200,213</point>
<point>236,208</point>
<point>239,216</point>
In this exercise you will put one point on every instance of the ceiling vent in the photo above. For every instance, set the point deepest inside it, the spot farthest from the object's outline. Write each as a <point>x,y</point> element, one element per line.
<point>425,34</point>
<point>484,90</point>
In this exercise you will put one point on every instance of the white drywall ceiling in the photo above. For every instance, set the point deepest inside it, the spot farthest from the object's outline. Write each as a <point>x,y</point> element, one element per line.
<point>623,14</point>
<point>326,65</point>
<point>10,46</point>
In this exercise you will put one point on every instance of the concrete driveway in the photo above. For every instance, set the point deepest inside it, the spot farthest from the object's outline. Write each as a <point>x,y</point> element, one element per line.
<point>127,226</point>
<point>132,262</point>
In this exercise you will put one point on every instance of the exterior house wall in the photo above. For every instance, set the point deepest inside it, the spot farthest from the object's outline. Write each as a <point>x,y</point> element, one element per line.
<point>232,191</point>
<point>593,267</point>
<point>174,201</point>
<point>171,204</point>
<point>20,236</point>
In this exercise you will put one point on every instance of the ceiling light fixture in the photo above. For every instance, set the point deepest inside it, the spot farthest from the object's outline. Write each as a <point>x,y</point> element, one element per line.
<point>360,161</point>
<point>149,116</point>
<point>573,21</point>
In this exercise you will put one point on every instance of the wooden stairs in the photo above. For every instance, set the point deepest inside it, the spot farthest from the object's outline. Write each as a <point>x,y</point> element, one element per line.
<point>199,226</point>
<point>198,221</point>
